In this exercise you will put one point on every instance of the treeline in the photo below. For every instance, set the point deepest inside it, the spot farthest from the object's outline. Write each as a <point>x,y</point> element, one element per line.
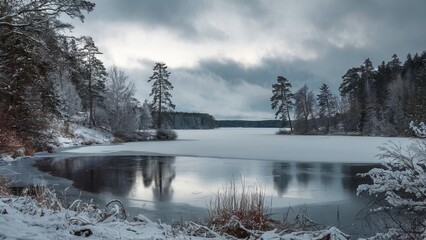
<point>373,101</point>
<point>186,120</point>
<point>250,124</point>
<point>47,76</point>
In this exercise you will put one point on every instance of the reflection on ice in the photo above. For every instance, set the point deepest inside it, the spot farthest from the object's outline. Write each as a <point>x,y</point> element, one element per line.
<point>194,181</point>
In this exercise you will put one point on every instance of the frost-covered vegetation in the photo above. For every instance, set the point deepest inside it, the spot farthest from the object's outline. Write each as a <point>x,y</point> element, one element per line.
<point>47,77</point>
<point>40,213</point>
<point>400,189</point>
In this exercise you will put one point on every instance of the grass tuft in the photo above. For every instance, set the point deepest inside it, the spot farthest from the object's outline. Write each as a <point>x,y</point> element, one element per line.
<point>240,212</point>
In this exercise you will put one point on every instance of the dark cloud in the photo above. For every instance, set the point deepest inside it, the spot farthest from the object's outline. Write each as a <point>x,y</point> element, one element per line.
<point>263,74</point>
<point>176,15</point>
<point>341,34</point>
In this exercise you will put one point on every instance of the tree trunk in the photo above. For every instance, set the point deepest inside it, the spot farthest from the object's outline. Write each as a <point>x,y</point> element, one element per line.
<point>159,110</point>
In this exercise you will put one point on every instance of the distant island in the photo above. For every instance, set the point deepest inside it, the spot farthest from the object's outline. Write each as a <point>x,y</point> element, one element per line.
<point>249,124</point>
<point>190,120</point>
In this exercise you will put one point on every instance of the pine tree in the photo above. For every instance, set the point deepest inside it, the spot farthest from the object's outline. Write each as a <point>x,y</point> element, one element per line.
<point>160,92</point>
<point>281,100</point>
<point>96,76</point>
<point>327,105</point>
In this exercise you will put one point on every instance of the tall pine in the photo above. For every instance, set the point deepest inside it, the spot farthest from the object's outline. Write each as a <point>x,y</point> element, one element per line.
<point>161,88</point>
<point>281,100</point>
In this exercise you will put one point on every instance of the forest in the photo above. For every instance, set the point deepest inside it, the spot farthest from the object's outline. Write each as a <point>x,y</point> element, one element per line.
<point>379,101</point>
<point>48,78</point>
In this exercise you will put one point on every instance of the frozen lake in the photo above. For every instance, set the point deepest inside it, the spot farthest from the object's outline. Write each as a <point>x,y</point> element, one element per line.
<point>176,180</point>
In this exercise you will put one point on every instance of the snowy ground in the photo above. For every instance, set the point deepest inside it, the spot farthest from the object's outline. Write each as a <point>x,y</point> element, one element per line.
<point>23,218</point>
<point>256,144</point>
<point>79,135</point>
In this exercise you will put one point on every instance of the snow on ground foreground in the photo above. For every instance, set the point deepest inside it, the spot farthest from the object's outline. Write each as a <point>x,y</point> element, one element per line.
<point>22,218</point>
<point>257,144</point>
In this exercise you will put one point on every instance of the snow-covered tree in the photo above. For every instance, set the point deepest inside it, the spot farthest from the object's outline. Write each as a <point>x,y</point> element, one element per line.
<point>400,188</point>
<point>146,120</point>
<point>282,100</point>
<point>95,75</point>
<point>122,112</point>
<point>30,33</point>
<point>161,88</point>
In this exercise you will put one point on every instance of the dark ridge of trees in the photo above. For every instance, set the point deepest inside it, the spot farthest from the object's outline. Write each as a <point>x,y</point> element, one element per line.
<point>187,120</point>
<point>251,124</point>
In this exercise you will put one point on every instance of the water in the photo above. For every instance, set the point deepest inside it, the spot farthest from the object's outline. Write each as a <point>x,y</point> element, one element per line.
<point>174,188</point>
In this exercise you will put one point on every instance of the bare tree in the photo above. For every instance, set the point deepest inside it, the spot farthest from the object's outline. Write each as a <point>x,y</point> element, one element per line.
<point>119,101</point>
<point>304,109</point>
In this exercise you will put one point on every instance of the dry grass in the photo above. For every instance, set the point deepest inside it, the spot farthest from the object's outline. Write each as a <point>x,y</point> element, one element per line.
<point>240,212</point>
<point>4,187</point>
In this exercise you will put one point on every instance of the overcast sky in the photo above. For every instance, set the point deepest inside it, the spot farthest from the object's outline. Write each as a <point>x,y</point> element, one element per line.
<point>224,55</point>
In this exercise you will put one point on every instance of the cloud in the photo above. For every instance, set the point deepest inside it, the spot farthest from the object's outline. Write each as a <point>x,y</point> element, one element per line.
<point>238,47</point>
<point>206,92</point>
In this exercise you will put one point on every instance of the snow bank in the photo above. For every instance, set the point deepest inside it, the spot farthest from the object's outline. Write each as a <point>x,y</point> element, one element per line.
<point>256,144</point>
<point>21,218</point>
<point>6,158</point>
<point>72,134</point>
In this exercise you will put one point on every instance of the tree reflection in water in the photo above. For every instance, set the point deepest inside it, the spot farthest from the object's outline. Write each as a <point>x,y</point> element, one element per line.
<point>115,174</point>
<point>161,171</point>
<point>282,177</point>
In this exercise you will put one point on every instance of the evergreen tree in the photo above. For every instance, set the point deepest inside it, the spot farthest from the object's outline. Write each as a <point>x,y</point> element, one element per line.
<point>96,76</point>
<point>350,90</point>
<point>327,105</point>
<point>161,88</point>
<point>281,100</point>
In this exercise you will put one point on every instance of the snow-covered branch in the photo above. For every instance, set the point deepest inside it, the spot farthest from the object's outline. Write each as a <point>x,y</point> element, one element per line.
<point>401,182</point>
<point>419,130</point>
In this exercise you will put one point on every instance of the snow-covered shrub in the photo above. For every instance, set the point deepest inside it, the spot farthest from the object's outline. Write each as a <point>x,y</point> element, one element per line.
<point>165,134</point>
<point>419,130</point>
<point>283,131</point>
<point>400,188</point>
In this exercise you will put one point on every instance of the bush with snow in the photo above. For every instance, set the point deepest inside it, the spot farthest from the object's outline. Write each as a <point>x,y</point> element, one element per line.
<point>165,135</point>
<point>400,188</point>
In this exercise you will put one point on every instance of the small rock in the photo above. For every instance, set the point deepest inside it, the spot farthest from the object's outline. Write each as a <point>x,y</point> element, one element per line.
<point>4,211</point>
<point>86,232</point>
